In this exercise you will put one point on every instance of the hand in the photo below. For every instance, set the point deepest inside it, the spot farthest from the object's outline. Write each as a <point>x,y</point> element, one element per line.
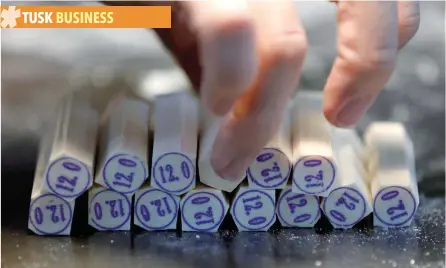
<point>245,58</point>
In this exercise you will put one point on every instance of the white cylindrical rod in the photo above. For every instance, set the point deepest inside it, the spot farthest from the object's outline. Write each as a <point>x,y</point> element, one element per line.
<point>203,209</point>
<point>391,168</point>
<point>314,162</point>
<point>253,209</point>
<point>109,210</point>
<point>175,142</point>
<point>272,167</point>
<point>124,146</point>
<point>155,209</point>
<point>350,200</point>
<point>48,213</point>
<point>69,171</point>
<point>297,210</point>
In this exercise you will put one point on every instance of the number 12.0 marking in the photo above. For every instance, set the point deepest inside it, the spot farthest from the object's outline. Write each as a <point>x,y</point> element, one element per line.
<point>257,205</point>
<point>54,217</point>
<point>113,212</point>
<point>349,205</point>
<point>121,178</point>
<point>66,183</point>
<point>391,210</point>
<point>161,212</point>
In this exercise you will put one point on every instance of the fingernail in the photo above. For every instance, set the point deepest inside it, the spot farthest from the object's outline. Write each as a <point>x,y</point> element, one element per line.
<point>350,113</point>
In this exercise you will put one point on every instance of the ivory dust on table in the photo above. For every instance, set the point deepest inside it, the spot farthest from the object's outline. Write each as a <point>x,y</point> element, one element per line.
<point>175,142</point>
<point>155,209</point>
<point>109,210</point>
<point>69,164</point>
<point>203,209</point>
<point>314,163</point>
<point>350,199</point>
<point>253,209</point>
<point>209,128</point>
<point>271,168</point>
<point>391,167</point>
<point>124,146</point>
<point>49,214</point>
<point>297,210</point>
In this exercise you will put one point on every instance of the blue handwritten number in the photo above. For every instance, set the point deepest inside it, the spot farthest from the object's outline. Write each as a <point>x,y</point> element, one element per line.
<point>144,212</point>
<point>98,211</point>
<point>38,215</point>
<point>207,214</point>
<point>266,173</point>
<point>161,212</point>
<point>166,203</point>
<point>71,182</point>
<point>293,206</point>
<point>391,211</point>
<point>312,163</point>
<point>302,218</point>
<point>264,157</point>
<point>127,162</point>
<point>113,212</point>
<point>200,200</point>
<point>71,166</point>
<point>318,177</point>
<point>389,196</point>
<point>349,205</point>
<point>185,169</point>
<point>169,169</point>
<point>257,205</point>
<point>123,179</point>
<point>302,202</point>
<point>54,217</point>
<point>338,215</point>
<point>400,207</point>
<point>257,220</point>
<point>66,183</point>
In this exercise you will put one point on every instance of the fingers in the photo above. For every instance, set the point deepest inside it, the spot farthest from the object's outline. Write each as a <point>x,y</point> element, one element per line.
<point>408,20</point>
<point>226,37</point>
<point>367,48</point>
<point>256,115</point>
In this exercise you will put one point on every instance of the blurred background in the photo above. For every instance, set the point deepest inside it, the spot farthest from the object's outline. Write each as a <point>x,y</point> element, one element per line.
<point>40,65</point>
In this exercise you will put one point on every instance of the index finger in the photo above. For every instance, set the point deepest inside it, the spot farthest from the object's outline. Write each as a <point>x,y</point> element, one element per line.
<point>367,48</point>
<point>256,115</point>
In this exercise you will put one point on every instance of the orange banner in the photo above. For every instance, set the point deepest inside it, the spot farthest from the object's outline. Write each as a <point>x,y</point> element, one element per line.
<point>85,16</point>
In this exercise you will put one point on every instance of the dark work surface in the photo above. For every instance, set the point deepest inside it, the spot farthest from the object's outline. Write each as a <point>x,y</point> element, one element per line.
<point>422,245</point>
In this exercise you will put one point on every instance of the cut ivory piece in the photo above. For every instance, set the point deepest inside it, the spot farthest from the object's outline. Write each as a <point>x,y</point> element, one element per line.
<point>203,209</point>
<point>297,210</point>
<point>48,213</point>
<point>253,209</point>
<point>108,210</point>
<point>271,168</point>
<point>209,126</point>
<point>123,146</point>
<point>175,142</point>
<point>155,209</point>
<point>69,164</point>
<point>391,167</point>
<point>350,200</point>
<point>314,162</point>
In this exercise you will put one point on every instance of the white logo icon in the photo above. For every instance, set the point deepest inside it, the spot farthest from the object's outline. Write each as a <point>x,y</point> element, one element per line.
<point>10,16</point>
